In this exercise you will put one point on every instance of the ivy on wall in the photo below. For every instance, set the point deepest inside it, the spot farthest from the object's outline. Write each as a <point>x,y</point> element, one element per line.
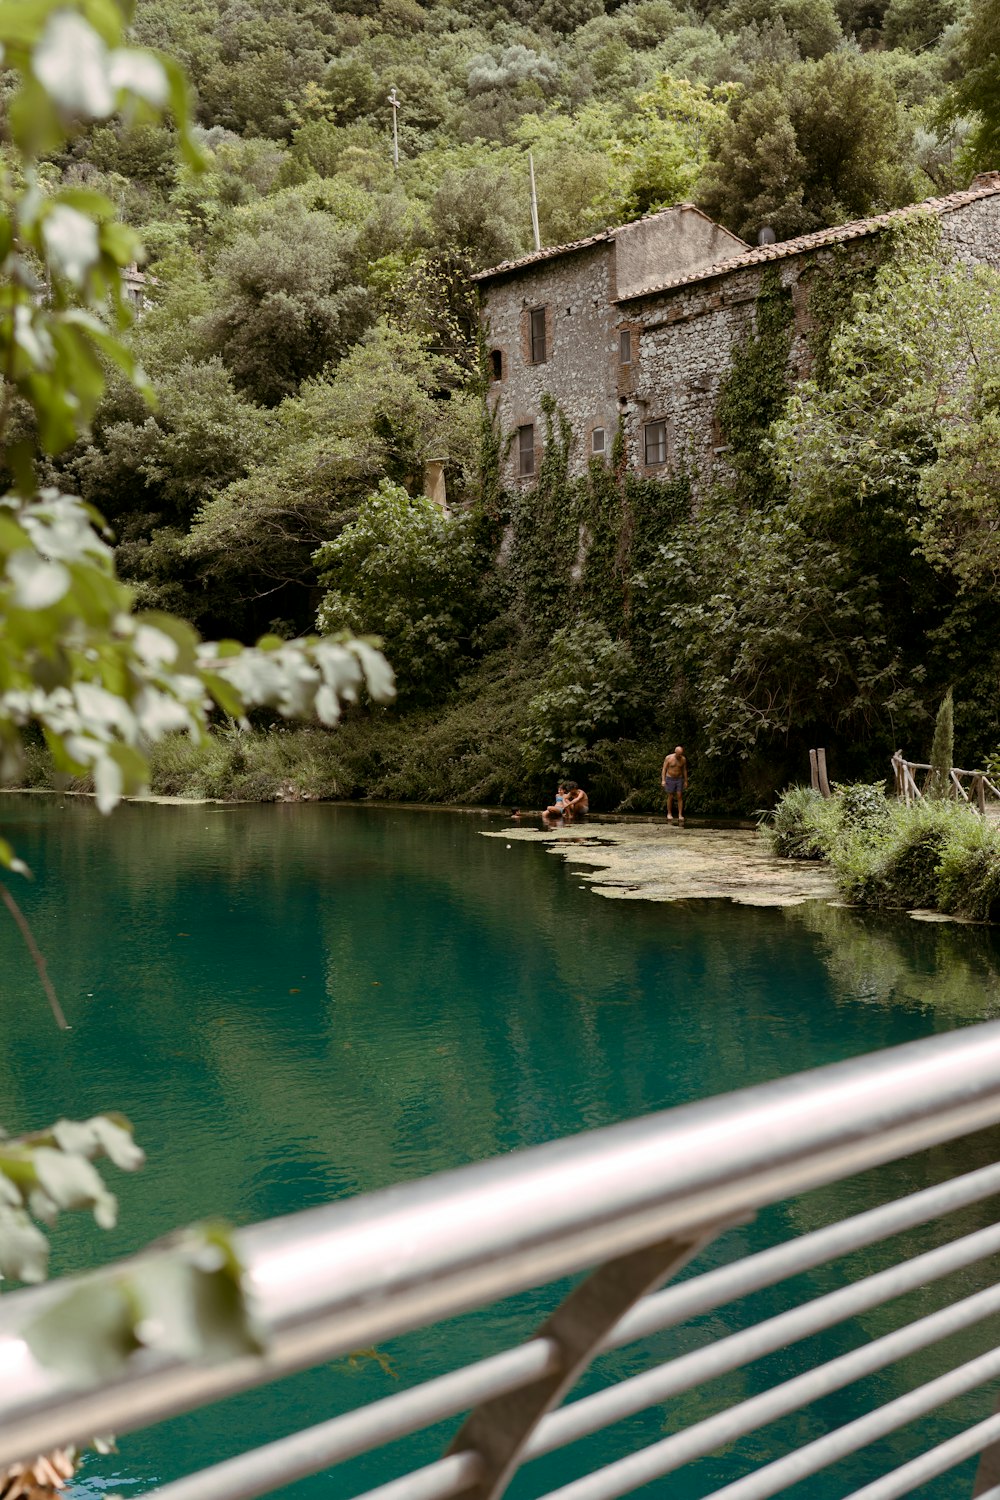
<point>754,391</point>
<point>832,287</point>
<point>846,273</point>
<point>579,541</point>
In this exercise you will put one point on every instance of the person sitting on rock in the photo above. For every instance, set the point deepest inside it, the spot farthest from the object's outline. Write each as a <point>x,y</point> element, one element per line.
<point>575,801</point>
<point>558,806</point>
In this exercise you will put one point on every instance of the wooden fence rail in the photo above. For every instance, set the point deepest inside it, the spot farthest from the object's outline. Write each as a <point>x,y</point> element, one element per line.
<point>913,787</point>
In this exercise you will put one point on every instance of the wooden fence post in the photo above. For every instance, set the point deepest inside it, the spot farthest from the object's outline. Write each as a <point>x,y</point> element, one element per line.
<point>813,771</point>
<point>824,784</point>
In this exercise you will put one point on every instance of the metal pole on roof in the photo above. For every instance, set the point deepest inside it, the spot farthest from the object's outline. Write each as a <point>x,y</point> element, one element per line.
<point>534,202</point>
<point>394,101</point>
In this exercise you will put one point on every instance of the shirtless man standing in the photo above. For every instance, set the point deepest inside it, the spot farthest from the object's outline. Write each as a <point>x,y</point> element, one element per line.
<point>674,778</point>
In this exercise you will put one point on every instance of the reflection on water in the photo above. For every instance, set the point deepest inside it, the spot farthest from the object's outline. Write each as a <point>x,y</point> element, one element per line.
<point>952,967</point>
<point>299,1003</point>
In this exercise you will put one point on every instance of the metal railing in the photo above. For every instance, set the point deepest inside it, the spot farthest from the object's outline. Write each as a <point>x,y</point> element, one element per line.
<point>637,1201</point>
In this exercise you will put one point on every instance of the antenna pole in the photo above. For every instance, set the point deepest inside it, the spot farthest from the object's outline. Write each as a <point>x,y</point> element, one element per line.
<point>534,202</point>
<point>394,101</point>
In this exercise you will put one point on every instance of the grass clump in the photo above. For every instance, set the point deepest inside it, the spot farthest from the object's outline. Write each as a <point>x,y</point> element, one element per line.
<point>969,871</point>
<point>804,825</point>
<point>937,855</point>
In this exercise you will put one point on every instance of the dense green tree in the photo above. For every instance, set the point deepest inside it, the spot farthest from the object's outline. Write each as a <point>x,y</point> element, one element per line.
<point>148,473</point>
<point>893,462</point>
<point>862,20</point>
<point>822,144</point>
<point>479,210</point>
<point>350,88</point>
<point>917,24</point>
<point>813,23</point>
<point>251,94</point>
<point>566,16</point>
<point>287,301</point>
<point>977,91</point>
<point>781,638</point>
<point>757,175</point>
<point>899,440</point>
<point>605,164</point>
<point>402,567</point>
<point>942,749</point>
<point>588,689</point>
<point>380,414</point>
<point>144,152</point>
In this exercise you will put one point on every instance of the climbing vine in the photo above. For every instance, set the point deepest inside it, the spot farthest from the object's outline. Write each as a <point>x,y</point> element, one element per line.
<point>836,283</point>
<point>832,287</point>
<point>493,449</point>
<point>578,541</point>
<point>755,389</point>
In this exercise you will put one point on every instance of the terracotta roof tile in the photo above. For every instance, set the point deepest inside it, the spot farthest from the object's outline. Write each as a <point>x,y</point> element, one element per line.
<point>989,187</point>
<point>548,252</point>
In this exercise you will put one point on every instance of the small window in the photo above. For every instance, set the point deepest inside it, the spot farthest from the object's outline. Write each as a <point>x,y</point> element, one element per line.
<point>526,451</point>
<point>496,364</point>
<point>539,354</point>
<point>655,436</point>
<point>598,440</point>
<point>625,346</point>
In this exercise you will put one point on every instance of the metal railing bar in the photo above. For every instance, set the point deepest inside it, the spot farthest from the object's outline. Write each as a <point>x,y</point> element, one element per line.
<point>858,1434</point>
<point>354,1272</point>
<point>712,1289</point>
<point>592,1413</point>
<point>929,1465</point>
<point>448,1476</point>
<point>265,1468</point>
<point>704,1437</point>
<point>272,1465</point>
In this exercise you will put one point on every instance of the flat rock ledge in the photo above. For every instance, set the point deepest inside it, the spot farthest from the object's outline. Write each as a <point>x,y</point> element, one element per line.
<point>665,862</point>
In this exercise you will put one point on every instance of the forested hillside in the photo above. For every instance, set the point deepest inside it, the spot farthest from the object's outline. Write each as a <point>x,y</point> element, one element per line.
<point>310,336</point>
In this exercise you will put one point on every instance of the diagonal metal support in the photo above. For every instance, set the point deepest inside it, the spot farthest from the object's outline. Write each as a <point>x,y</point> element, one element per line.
<point>498,1431</point>
<point>988,1471</point>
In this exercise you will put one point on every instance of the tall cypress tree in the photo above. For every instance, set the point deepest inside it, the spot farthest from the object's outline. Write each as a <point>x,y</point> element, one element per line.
<point>942,749</point>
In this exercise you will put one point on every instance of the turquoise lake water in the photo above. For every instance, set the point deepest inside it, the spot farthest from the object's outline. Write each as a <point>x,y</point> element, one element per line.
<point>299,1003</point>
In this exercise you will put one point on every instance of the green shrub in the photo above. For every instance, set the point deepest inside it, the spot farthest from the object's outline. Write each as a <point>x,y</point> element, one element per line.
<point>406,571</point>
<point>803,825</point>
<point>969,871</point>
<point>863,805</point>
<point>909,867</point>
<point>937,854</point>
<point>590,686</point>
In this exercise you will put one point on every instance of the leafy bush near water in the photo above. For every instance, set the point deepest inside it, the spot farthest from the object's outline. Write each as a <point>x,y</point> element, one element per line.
<point>939,855</point>
<point>802,825</point>
<point>589,690</point>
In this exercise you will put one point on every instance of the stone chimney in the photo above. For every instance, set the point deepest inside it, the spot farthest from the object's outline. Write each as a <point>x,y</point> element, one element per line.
<point>435,486</point>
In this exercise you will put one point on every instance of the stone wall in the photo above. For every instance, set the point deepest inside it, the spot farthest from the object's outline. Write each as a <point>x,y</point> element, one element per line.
<point>973,232</point>
<point>681,340</point>
<point>686,345</point>
<point>578,288</point>
<point>579,372</point>
<point>688,336</point>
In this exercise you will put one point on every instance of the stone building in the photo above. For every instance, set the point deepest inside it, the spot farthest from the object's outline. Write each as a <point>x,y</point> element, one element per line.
<point>638,326</point>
